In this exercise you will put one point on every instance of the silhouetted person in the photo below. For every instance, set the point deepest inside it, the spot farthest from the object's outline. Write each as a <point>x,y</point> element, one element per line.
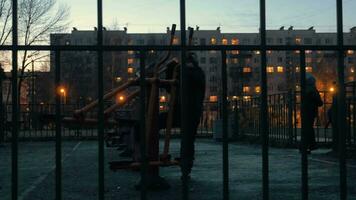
<point>312,102</point>
<point>195,97</point>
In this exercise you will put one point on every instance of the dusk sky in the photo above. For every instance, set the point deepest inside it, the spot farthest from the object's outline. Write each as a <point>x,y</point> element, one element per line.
<point>231,15</point>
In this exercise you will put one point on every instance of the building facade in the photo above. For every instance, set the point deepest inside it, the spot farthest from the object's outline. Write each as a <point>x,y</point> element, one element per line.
<point>79,69</point>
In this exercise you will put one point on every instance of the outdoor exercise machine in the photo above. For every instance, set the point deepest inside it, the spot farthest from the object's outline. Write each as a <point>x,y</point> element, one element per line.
<point>154,83</point>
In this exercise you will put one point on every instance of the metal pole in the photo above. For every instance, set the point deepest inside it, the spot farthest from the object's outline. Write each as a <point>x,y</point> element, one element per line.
<point>305,187</point>
<point>32,94</point>
<point>15,110</point>
<point>264,110</point>
<point>101,173</point>
<point>58,127</point>
<point>2,110</point>
<point>341,102</point>
<point>183,93</point>
<point>143,126</point>
<point>225,128</point>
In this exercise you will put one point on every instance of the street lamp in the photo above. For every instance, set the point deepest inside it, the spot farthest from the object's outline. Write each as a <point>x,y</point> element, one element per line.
<point>63,94</point>
<point>332,89</point>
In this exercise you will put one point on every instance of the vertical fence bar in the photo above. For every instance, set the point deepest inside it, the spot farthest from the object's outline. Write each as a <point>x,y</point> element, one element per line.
<point>101,101</point>
<point>303,145</point>
<point>183,87</point>
<point>143,126</point>
<point>264,109</point>
<point>341,102</point>
<point>225,128</point>
<point>58,127</point>
<point>15,111</point>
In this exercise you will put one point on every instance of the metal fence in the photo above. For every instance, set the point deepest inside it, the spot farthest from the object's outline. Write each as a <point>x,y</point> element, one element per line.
<point>284,112</point>
<point>183,48</point>
<point>37,122</point>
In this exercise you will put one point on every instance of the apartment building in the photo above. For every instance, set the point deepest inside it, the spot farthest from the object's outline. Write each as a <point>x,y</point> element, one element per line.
<point>79,69</point>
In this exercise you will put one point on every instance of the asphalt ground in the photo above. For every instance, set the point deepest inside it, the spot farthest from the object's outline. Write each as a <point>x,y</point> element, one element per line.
<point>80,167</point>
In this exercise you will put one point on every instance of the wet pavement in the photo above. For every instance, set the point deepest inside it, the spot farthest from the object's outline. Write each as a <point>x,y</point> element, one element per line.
<point>80,167</point>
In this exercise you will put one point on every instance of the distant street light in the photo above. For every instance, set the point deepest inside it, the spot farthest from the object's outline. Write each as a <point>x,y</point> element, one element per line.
<point>121,98</point>
<point>63,94</point>
<point>332,89</point>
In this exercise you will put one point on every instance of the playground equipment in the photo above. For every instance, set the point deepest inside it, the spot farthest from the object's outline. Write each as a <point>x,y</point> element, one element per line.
<point>152,116</point>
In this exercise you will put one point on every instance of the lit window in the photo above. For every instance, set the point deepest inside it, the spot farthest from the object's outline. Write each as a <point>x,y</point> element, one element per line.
<point>280,69</point>
<point>130,52</point>
<point>309,69</point>
<point>247,97</point>
<point>235,41</point>
<point>308,51</point>
<point>224,41</point>
<point>257,52</point>
<point>235,61</point>
<point>246,89</point>
<point>175,40</point>
<point>297,69</point>
<point>118,79</point>
<point>257,89</point>
<point>213,40</point>
<point>227,61</point>
<point>270,69</point>
<point>235,52</point>
<point>130,61</point>
<point>130,70</point>
<point>213,98</point>
<point>297,52</point>
<point>269,51</point>
<point>352,70</point>
<point>298,40</point>
<point>247,69</point>
<point>350,52</point>
<point>309,60</point>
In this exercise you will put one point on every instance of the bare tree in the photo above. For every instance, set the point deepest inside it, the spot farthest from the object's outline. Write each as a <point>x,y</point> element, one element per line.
<point>36,20</point>
<point>5,21</point>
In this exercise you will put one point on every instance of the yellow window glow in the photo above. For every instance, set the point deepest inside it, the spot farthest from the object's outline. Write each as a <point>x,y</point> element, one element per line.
<point>270,69</point>
<point>280,69</point>
<point>235,41</point>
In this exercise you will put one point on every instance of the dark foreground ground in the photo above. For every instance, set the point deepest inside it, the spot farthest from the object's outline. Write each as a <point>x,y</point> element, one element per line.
<point>80,173</point>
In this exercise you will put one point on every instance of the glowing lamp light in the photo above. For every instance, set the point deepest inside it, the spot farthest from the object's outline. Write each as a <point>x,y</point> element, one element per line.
<point>118,79</point>
<point>62,91</point>
<point>332,89</point>
<point>121,98</point>
<point>163,99</point>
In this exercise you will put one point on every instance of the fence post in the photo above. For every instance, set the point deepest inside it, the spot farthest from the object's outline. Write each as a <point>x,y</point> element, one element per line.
<point>290,117</point>
<point>2,133</point>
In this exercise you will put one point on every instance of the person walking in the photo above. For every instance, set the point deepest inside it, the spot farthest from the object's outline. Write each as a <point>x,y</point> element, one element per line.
<point>312,103</point>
